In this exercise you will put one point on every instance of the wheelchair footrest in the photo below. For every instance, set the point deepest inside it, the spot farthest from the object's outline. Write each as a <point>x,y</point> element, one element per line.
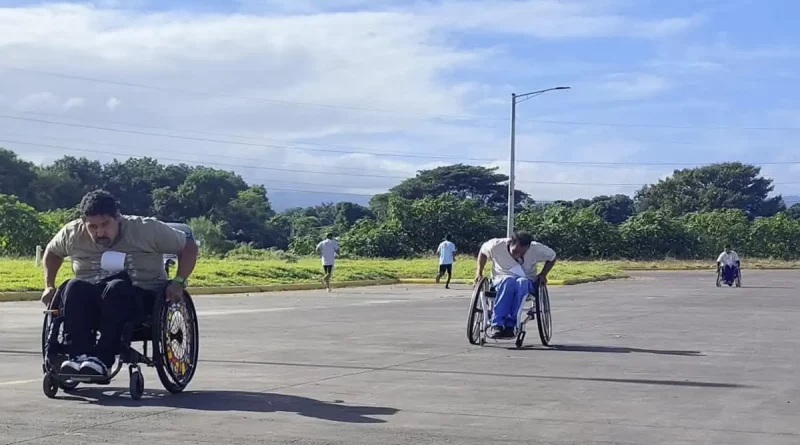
<point>80,378</point>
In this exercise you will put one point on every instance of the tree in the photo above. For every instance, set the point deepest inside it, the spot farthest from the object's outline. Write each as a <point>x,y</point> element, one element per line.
<point>247,219</point>
<point>613,209</point>
<point>16,176</point>
<point>21,230</point>
<point>207,192</point>
<point>571,232</point>
<point>794,211</point>
<point>372,239</point>
<point>481,184</point>
<point>426,221</point>
<point>713,230</point>
<point>653,235</point>
<point>712,187</point>
<point>775,237</point>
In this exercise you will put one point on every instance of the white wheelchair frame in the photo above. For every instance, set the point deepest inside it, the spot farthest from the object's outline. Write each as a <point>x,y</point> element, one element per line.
<point>534,308</point>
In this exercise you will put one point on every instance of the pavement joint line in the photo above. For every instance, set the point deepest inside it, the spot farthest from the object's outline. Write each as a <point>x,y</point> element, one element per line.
<point>88,427</point>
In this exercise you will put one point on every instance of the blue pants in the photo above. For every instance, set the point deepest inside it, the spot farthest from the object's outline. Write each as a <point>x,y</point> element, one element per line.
<point>511,294</point>
<point>728,273</point>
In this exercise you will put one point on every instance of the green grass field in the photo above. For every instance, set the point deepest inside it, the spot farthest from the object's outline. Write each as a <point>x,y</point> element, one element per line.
<point>22,274</point>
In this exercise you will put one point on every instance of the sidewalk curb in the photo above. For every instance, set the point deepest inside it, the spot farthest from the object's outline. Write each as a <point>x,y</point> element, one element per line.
<point>234,290</point>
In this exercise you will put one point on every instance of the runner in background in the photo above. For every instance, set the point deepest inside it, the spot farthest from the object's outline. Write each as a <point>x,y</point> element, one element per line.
<point>328,248</point>
<point>446,252</point>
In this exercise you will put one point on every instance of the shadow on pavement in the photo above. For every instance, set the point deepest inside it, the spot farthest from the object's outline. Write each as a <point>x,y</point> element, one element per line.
<point>234,401</point>
<point>617,350</point>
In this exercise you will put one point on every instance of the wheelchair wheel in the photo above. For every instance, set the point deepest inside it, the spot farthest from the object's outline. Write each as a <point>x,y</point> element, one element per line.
<point>475,317</point>
<point>719,278</point>
<point>543,320</point>
<point>176,342</point>
<point>739,278</point>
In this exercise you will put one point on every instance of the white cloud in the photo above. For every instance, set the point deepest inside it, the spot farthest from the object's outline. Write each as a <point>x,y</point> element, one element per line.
<point>74,102</point>
<point>112,103</point>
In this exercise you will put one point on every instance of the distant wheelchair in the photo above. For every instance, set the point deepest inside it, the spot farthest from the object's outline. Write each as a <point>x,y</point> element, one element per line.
<point>170,331</point>
<point>536,306</point>
<point>737,279</point>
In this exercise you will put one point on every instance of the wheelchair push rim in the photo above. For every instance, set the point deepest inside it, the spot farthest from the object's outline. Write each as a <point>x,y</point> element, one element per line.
<point>176,343</point>
<point>475,325</point>
<point>543,318</point>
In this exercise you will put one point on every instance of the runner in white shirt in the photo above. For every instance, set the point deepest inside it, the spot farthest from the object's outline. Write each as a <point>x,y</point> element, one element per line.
<point>328,248</point>
<point>446,252</point>
<point>730,263</point>
<point>514,276</point>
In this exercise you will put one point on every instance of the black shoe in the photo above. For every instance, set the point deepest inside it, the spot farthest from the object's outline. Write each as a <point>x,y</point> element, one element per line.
<point>508,332</point>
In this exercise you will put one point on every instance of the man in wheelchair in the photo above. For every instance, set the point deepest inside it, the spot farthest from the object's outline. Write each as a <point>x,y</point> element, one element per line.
<point>513,276</point>
<point>729,261</point>
<point>119,271</point>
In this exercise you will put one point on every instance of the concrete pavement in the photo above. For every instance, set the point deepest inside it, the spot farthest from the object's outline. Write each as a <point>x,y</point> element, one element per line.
<point>662,358</point>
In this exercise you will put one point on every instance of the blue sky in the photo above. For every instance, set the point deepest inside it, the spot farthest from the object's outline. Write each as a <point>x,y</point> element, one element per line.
<point>320,99</point>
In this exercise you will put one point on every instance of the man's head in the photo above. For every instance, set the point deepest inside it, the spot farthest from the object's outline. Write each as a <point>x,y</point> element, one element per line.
<point>100,213</point>
<point>447,237</point>
<point>329,235</point>
<point>727,248</point>
<point>519,244</point>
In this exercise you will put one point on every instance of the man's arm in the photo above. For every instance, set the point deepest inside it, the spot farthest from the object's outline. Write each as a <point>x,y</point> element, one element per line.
<point>483,257</point>
<point>52,264</point>
<point>548,255</point>
<point>187,259</point>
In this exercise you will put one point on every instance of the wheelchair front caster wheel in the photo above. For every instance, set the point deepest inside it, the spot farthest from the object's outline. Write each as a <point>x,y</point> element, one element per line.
<point>520,339</point>
<point>68,385</point>
<point>49,386</point>
<point>137,383</point>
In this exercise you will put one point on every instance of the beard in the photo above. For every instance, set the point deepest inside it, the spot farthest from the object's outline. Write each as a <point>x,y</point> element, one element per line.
<point>103,241</point>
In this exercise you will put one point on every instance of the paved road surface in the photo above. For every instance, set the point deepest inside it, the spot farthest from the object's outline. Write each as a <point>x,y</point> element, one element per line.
<point>665,358</point>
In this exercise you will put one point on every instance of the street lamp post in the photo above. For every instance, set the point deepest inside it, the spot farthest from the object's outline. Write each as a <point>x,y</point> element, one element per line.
<point>516,99</point>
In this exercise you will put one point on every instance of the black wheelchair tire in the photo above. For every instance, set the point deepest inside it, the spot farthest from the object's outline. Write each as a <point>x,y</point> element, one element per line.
<point>543,320</point>
<point>474,311</point>
<point>170,382</point>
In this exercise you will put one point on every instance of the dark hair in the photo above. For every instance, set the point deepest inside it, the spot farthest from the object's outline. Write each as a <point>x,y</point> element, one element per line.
<point>99,203</point>
<point>329,235</point>
<point>522,239</point>
<point>447,237</point>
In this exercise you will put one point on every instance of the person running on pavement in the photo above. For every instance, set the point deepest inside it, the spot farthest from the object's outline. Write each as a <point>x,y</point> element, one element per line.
<point>328,248</point>
<point>446,252</point>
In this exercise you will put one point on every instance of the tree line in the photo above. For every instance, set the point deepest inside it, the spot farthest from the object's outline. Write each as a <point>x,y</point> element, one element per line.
<point>691,214</point>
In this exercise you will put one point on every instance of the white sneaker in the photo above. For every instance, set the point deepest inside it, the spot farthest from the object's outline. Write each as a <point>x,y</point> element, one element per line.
<point>72,367</point>
<point>94,367</point>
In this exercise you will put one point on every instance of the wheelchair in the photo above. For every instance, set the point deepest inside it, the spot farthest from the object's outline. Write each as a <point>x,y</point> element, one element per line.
<point>534,306</point>
<point>170,331</point>
<point>737,280</point>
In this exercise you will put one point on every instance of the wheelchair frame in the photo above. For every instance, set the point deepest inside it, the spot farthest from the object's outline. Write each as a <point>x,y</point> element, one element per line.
<point>737,280</point>
<point>482,304</point>
<point>154,330</point>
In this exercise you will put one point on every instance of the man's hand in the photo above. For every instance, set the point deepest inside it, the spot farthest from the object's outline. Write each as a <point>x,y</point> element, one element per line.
<point>478,278</point>
<point>174,292</point>
<point>542,278</point>
<point>47,296</point>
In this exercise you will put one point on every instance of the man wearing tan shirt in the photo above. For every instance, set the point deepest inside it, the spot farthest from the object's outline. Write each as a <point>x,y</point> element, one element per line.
<point>514,276</point>
<point>119,271</point>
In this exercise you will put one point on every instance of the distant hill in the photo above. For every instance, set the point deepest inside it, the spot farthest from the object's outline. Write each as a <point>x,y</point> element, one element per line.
<point>281,200</point>
<point>791,200</point>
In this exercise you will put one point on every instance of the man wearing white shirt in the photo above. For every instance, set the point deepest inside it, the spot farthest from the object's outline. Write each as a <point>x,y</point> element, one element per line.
<point>514,276</point>
<point>328,248</point>
<point>446,252</point>
<point>730,263</point>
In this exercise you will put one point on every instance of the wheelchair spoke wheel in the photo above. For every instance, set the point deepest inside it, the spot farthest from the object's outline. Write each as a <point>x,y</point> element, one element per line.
<point>176,342</point>
<point>475,317</point>
<point>543,320</point>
